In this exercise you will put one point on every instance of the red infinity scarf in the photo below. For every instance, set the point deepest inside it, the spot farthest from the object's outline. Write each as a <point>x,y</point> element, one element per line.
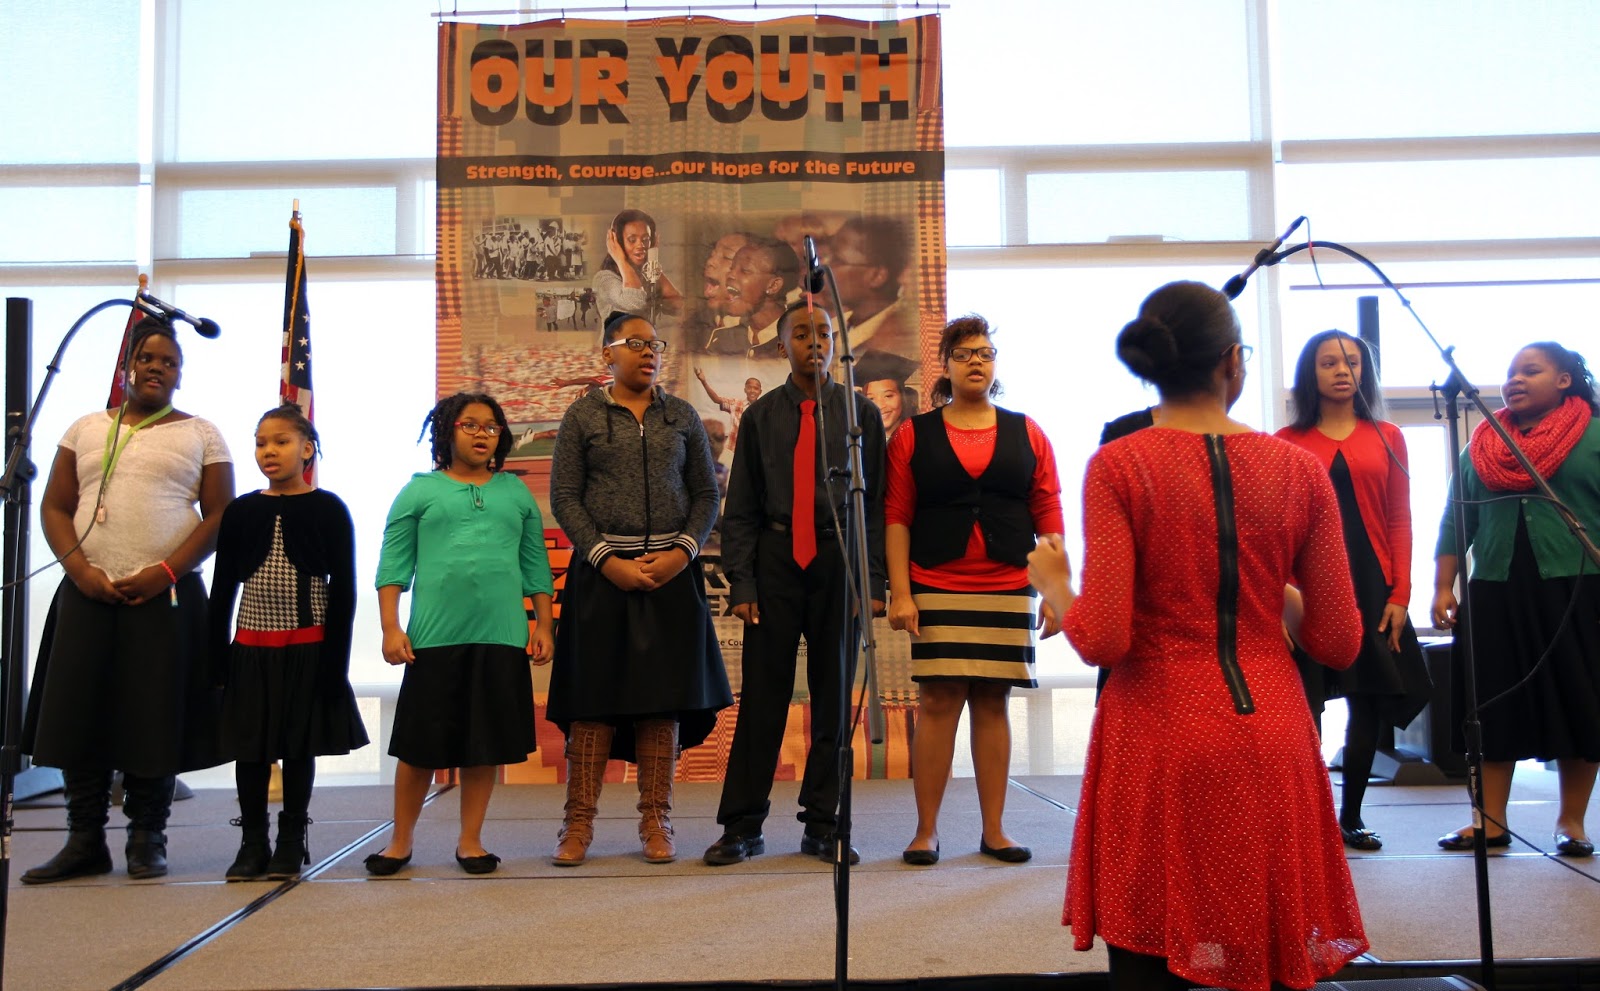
<point>1547,445</point>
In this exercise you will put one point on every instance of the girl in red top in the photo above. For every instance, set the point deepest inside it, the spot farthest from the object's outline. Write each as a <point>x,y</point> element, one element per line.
<point>1337,408</point>
<point>971,486</point>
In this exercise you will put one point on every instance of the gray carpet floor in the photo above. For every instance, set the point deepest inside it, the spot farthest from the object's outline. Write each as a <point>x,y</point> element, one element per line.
<point>617,920</point>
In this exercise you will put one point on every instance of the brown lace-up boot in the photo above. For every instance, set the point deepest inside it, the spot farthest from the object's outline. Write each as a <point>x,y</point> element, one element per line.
<point>656,746</point>
<point>588,749</point>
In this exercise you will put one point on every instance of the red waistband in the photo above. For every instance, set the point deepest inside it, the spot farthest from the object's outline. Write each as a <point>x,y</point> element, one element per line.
<point>278,638</point>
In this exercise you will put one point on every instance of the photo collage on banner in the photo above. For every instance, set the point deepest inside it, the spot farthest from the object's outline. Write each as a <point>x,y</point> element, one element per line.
<point>673,167</point>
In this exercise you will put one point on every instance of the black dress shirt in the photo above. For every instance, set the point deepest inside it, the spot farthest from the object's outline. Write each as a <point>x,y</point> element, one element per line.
<point>761,482</point>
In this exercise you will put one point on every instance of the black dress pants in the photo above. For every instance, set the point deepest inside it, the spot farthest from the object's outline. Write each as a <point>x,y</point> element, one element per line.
<point>793,603</point>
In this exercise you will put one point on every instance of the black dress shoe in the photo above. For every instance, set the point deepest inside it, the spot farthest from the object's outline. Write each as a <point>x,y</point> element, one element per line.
<point>1570,846</point>
<point>1361,839</point>
<point>380,866</point>
<point>733,849</point>
<point>481,864</point>
<point>1462,839</point>
<point>921,858</point>
<point>1008,854</point>
<point>822,846</point>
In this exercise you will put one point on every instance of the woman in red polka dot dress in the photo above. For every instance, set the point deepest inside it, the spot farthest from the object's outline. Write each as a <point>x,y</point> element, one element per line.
<point>1206,846</point>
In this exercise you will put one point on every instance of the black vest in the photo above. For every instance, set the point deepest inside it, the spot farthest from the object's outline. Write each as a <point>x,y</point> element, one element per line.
<point>949,500</point>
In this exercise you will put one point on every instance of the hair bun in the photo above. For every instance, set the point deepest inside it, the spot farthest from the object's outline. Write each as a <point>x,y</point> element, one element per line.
<point>1147,346</point>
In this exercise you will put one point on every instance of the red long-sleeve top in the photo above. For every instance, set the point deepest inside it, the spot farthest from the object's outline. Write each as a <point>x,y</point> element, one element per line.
<point>973,571</point>
<point>1383,491</point>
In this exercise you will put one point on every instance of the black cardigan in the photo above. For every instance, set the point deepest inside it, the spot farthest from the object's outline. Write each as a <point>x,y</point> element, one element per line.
<point>318,539</point>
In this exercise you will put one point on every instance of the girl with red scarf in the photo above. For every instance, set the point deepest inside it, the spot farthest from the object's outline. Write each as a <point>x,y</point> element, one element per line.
<point>1527,571</point>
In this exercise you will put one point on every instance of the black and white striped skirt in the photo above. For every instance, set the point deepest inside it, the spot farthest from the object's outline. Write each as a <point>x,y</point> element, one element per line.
<point>985,636</point>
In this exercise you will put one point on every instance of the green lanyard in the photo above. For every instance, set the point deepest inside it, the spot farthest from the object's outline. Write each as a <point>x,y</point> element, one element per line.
<point>115,446</point>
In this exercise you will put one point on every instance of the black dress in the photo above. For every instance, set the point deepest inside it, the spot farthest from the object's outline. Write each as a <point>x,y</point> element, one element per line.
<point>1399,679</point>
<point>286,669</point>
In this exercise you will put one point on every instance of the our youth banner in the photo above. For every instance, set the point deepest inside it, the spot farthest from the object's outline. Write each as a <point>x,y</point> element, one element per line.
<point>673,168</point>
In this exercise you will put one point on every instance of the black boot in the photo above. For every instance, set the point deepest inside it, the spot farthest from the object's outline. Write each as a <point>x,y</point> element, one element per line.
<point>290,854</point>
<point>85,854</point>
<point>147,853</point>
<point>254,851</point>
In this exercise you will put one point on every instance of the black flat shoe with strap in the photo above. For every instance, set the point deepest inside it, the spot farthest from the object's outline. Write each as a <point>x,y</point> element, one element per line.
<point>1361,839</point>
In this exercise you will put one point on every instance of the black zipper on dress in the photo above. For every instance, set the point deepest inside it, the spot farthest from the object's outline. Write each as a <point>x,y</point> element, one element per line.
<point>1227,577</point>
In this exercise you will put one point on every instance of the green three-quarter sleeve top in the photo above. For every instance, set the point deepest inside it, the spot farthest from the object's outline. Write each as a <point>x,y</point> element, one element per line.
<point>469,554</point>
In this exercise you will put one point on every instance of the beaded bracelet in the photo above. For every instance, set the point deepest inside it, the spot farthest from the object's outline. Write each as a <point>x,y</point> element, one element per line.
<point>173,588</point>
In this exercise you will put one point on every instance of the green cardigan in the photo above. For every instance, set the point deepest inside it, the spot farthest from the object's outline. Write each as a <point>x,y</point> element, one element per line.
<point>1492,527</point>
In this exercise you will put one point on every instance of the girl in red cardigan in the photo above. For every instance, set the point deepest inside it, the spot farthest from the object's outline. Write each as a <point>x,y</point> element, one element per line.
<point>1337,412</point>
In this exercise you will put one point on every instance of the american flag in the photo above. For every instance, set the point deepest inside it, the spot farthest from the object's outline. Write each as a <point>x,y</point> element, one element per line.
<point>294,385</point>
<point>119,375</point>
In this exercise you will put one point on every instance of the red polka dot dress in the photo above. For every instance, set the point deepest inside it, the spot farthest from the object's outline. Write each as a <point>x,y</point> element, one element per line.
<point>1204,835</point>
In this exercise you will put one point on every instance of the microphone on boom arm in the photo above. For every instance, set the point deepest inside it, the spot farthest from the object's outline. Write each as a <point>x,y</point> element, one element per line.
<point>148,304</point>
<point>1234,286</point>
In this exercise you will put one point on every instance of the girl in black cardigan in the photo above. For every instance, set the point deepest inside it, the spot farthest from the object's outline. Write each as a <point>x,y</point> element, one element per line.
<point>287,696</point>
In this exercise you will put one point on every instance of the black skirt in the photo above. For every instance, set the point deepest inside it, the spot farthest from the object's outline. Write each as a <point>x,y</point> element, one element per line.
<point>1556,715</point>
<point>1398,679</point>
<point>622,656</point>
<point>124,687</point>
<point>465,705</point>
<point>284,702</point>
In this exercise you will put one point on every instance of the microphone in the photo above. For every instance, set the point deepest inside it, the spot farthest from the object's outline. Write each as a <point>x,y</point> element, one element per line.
<point>813,267</point>
<point>203,326</point>
<point>1234,286</point>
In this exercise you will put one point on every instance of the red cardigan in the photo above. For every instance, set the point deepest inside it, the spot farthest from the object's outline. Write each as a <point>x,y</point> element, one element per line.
<point>1383,492</point>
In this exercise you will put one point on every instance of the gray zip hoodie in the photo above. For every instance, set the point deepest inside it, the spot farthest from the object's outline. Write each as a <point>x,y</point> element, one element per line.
<point>621,486</point>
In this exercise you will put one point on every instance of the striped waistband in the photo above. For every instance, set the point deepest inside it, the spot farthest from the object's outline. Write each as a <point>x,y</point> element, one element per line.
<point>278,638</point>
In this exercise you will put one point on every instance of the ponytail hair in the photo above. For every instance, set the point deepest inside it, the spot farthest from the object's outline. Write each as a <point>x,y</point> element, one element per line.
<point>295,417</point>
<point>958,330</point>
<point>1571,362</point>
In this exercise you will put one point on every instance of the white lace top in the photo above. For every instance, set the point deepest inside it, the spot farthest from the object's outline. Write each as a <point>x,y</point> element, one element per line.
<point>151,499</point>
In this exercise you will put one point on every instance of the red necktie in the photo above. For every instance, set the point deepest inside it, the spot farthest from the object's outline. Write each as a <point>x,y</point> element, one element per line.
<point>803,511</point>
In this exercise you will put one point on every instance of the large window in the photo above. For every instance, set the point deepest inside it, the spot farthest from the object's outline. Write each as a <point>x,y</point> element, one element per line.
<point>1096,150</point>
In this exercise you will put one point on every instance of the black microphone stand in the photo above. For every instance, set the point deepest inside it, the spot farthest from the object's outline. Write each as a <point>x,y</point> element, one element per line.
<point>864,647</point>
<point>1458,384</point>
<point>15,489</point>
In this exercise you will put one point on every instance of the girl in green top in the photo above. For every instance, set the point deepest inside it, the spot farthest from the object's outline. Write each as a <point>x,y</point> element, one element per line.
<point>468,541</point>
<point>1535,598</point>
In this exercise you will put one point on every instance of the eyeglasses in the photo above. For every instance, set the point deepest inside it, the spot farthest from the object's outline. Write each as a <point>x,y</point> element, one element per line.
<point>470,427</point>
<point>966,354</point>
<point>1245,351</point>
<point>638,346</point>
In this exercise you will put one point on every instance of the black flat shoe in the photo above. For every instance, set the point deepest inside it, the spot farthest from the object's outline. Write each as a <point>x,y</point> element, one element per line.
<point>732,849</point>
<point>822,846</point>
<point>1361,839</point>
<point>921,858</point>
<point>1008,854</point>
<point>1570,846</point>
<point>481,864</point>
<point>1463,840</point>
<point>380,866</point>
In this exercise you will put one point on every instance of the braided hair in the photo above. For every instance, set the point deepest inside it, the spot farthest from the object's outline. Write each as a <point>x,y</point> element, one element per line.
<point>295,417</point>
<point>440,427</point>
